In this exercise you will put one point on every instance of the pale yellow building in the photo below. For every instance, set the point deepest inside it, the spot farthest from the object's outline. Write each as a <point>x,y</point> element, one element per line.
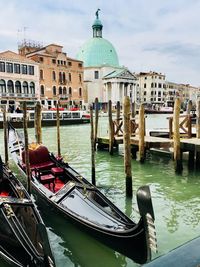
<point>19,80</point>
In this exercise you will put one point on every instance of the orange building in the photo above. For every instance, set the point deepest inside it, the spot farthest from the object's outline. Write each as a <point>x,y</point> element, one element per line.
<point>61,77</point>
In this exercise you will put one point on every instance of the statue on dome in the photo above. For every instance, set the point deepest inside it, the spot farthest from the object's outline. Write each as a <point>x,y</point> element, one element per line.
<point>97,13</point>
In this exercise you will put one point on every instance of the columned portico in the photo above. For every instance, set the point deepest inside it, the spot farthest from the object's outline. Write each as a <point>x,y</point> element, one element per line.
<point>118,85</point>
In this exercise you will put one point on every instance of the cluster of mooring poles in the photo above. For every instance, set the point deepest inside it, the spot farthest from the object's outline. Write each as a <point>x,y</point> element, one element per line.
<point>123,131</point>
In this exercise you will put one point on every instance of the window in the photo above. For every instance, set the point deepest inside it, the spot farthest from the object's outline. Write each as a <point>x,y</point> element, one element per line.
<point>2,86</point>
<point>16,68</point>
<point>9,67</point>
<point>54,90</point>
<point>80,92</point>
<point>151,85</point>
<point>10,87</point>
<point>25,87</point>
<point>80,65</point>
<point>53,61</point>
<point>2,66</point>
<point>69,63</point>
<point>41,59</point>
<point>32,88</point>
<point>63,77</point>
<point>80,78</point>
<point>64,90</point>
<point>41,75</point>
<point>54,75</point>
<point>18,88</point>
<point>159,85</point>
<point>31,70</point>
<point>24,69</point>
<point>96,74</point>
<point>60,90</point>
<point>145,86</point>
<point>70,91</point>
<point>70,77</point>
<point>60,77</point>
<point>42,90</point>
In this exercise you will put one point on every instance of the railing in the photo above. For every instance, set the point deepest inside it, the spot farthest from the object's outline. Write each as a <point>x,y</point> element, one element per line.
<point>118,127</point>
<point>185,126</point>
<point>19,95</point>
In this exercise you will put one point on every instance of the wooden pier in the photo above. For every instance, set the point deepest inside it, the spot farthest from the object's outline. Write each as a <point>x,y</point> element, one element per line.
<point>180,138</point>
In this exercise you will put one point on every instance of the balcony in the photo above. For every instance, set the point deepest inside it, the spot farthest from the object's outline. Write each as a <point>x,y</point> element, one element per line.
<point>17,95</point>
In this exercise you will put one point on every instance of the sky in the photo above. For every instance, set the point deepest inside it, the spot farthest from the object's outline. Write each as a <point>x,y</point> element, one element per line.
<point>156,35</point>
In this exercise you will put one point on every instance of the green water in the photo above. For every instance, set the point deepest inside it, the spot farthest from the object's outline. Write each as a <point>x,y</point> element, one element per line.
<point>175,199</point>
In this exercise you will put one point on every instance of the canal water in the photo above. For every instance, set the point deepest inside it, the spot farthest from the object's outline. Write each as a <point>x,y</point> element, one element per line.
<point>175,197</point>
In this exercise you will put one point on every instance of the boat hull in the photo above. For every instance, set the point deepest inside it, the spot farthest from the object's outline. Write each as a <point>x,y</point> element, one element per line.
<point>84,205</point>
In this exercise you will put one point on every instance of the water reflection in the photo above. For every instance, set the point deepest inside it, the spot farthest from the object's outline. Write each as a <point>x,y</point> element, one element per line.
<point>175,199</point>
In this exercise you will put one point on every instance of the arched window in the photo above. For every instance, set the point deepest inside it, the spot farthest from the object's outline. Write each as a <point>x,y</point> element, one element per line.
<point>10,87</point>
<point>64,90</point>
<point>60,90</point>
<point>54,75</point>
<point>32,88</point>
<point>18,87</point>
<point>60,77</point>
<point>54,90</point>
<point>2,86</point>
<point>80,92</point>
<point>42,90</point>
<point>70,77</point>
<point>25,87</point>
<point>70,91</point>
<point>64,78</point>
<point>41,75</point>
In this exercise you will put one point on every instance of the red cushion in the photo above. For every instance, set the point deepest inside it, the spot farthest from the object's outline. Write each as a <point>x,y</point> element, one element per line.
<point>42,154</point>
<point>32,156</point>
<point>57,170</point>
<point>4,194</point>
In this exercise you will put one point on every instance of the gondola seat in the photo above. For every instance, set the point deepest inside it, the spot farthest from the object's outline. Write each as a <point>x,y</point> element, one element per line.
<point>39,158</point>
<point>45,177</point>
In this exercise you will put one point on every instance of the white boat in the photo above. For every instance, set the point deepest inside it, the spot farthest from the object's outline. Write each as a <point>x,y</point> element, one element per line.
<point>48,118</point>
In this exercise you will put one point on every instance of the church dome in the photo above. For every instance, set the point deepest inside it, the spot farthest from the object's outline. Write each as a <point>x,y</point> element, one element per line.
<point>98,51</point>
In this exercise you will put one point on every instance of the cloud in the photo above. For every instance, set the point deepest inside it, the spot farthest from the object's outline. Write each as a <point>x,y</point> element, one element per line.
<point>157,35</point>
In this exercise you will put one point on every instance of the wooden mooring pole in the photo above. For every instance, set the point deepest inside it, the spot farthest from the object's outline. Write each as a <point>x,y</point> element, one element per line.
<point>198,133</point>
<point>92,146</point>
<point>96,121</point>
<point>25,125</point>
<point>111,128</point>
<point>141,134</point>
<point>176,137</point>
<point>38,123</point>
<point>133,110</point>
<point>5,128</point>
<point>58,129</point>
<point>127,147</point>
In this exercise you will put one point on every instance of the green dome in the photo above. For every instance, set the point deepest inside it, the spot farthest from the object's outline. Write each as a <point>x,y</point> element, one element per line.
<point>97,52</point>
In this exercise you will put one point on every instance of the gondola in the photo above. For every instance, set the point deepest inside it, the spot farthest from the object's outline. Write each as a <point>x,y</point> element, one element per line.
<point>23,237</point>
<point>78,200</point>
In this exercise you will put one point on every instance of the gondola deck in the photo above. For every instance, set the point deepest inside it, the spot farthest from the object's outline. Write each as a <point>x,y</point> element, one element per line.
<point>82,203</point>
<point>23,237</point>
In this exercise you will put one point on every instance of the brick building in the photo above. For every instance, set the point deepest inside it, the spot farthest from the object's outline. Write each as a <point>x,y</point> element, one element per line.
<point>60,77</point>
